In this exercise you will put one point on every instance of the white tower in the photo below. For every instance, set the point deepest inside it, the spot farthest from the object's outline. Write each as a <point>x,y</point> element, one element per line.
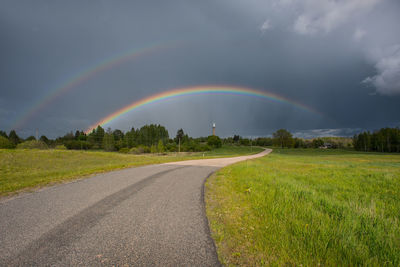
<point>213,128</point>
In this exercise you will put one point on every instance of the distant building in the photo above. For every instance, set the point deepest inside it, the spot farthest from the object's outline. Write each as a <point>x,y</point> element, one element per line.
<point>326,146</point>
<point>213,129</point>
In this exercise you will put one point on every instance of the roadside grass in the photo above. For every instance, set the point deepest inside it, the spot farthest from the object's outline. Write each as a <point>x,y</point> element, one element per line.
<point>307,207</point>
<point>22,169</point>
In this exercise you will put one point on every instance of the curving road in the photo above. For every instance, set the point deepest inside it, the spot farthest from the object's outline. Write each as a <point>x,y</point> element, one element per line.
<point>151,215</point>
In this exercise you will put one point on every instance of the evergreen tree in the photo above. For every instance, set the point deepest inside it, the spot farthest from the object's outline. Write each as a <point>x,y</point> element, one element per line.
<point>69,136</point>
<point>77,135</point>
<point>4,134</point>
<point>179,135</point>
<point>82,136</point>
<point>98,136</point>
<point>108,142</point>
<point>118,135</point>
<point>129,138</point>
<point>14,138</point>
<point>31,138</point>
<point>91,137</point>
<point>384,140</point>
<point>5,143</point>
<point>43,138</point>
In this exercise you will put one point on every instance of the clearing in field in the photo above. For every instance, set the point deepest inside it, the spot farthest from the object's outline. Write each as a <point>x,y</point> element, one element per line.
<point>310,207</point>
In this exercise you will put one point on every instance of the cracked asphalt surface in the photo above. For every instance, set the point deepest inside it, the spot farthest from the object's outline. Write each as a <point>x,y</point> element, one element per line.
<point>146,216</point>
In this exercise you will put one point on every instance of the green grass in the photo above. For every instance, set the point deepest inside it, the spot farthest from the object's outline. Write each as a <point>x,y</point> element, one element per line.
<point>22,169</point>
<point>309,207</point>
<point>229,151</point>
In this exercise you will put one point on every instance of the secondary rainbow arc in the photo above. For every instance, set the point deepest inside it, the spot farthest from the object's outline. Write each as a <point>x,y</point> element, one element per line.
<point>85,75</point>
<point>201,90</point>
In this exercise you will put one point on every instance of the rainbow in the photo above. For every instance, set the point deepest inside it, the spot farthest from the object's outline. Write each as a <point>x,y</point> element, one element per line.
<point>85,75</point>
<point>200,90</point>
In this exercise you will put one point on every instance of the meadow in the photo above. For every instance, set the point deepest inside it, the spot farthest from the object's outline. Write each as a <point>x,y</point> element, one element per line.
<point>307,207</point>
<point>21,169</point>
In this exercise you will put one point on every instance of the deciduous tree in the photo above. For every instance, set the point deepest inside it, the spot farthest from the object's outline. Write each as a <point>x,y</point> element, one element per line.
<point>283,138</point>
<point>160,146</point>
<point>214,141</point>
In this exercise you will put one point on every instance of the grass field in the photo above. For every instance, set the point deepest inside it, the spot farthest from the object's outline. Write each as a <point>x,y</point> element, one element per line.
<point>309,207</point>
<point>21,169</point>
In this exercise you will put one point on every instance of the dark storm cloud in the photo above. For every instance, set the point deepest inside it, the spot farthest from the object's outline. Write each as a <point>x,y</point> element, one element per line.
<point>339,57</point>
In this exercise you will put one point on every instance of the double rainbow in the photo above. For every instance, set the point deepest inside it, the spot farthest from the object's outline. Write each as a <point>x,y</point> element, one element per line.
<point>200,90</point>
<point>87,74</point>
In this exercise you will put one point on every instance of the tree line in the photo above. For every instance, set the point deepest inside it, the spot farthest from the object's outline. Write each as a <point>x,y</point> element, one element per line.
<point>155,139</point>
<point>149,138</point>
<point>383,140</point>
<point>284,139</point>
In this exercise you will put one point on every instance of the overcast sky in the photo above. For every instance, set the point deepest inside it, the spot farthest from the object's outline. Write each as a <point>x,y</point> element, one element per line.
<point>339,57</point>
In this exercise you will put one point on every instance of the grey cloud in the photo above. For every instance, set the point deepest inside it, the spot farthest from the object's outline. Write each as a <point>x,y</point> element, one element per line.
<point>314,133</point>
<point>359,34</point>
<point>387,81</point>
<point>325,15</point>
<point>369,23</point>
<point>219,42</point>
<point>265,26</point>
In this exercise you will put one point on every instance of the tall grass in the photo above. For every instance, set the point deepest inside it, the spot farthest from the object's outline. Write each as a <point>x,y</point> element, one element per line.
<point>308,207</point>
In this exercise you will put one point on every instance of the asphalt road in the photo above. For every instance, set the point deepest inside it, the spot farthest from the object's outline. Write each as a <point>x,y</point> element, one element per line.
<point>146,216</point>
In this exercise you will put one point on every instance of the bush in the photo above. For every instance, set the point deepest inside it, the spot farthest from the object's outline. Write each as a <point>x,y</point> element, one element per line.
<point>30,138</point>
<point>171,147</point>
<point>60,147</point>
<point>5,143</point>
<point>214,141</point>
<point>95,146</point>
<point>74,144</point>
<point>244,141</point>
<point>33,144</point>
<point>140,150</point>
<point>160,147</point>
<point>120,144</point>
<point>318,142</point>
<point>124,150</point>
<point>202,148</point>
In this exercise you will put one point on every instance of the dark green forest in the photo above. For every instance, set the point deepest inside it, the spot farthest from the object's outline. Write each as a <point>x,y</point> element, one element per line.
<point>384,140</point>
<point>156,139</point>
<point>147,139</point>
